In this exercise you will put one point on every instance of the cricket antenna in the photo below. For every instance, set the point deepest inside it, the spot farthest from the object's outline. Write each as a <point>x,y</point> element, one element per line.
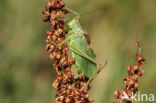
<point>75,13</point>
<point>70,10</point>
<point>90,12</point>
<point>101,9</point>
<point>83,14</point>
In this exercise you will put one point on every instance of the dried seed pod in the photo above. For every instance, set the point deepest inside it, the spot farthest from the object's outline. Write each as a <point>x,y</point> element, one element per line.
<point>58,56</point>
<point>131,80</point>
<point>46,19</point>
<point>135,78</point>
<point>136,69</point>
<point>49,5</point>
<point>138,44</point>
<point>67,87</point>
<point>46,13</point>
<point>52,47</point>
<point>47,47</point>
<point>141,72</point>
<point>51,56</point>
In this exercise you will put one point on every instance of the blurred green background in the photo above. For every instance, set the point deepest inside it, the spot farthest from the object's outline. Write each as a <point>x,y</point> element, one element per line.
<point>26,74</point>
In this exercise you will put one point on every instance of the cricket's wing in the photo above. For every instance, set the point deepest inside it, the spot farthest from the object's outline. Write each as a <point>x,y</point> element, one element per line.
<point>84,65</point>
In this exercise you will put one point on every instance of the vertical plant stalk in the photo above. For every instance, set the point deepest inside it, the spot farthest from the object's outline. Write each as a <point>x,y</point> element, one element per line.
<point>132,79</point>
<point>67,87</point>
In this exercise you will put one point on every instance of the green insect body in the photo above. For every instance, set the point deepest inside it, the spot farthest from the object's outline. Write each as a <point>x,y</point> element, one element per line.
<point>81,51</point>
<point>79,44</point>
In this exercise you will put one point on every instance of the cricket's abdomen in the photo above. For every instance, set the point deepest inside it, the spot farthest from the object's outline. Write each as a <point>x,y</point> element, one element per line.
<point>84,65</point>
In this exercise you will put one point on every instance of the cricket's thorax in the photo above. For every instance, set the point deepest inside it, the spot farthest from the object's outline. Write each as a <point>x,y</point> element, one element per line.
<point>75,26</point>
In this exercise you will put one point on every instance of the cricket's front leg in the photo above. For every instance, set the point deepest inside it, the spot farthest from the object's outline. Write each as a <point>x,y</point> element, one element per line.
<point>61,43</point>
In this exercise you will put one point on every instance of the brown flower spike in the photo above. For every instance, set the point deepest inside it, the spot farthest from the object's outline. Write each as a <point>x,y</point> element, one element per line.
<point>131,80</point>
<point>67,87</point>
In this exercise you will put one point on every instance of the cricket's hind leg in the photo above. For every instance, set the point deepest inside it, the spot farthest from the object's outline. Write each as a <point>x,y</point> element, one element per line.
<point>99,65</point>
<point>103,62</point>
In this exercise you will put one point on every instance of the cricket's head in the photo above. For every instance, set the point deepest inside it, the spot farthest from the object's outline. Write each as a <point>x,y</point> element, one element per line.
<point>75,26</point>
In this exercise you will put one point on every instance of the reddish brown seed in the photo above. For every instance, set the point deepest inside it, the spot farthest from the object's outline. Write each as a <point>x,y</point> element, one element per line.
<point>131,82</point>
<point>51,48</point>
<point>51,56</point>
<point>53,24</point>
<point>138,44</point>
<point>129,69</point>
<point>46,13</point>
<point>49,38</point>
<point>53,16</point>
<point>121,95</point>
<point>59,40</point>
<point>60,31</point>
<point>71,61</point>
<point>56,83</point>
<point>139,58</point>
<point>62,3</point>
<point>58,56</point>
<point>136,68</point>
<point>47,47</point>
<point>68,100</point>
<point>54,37</point>
<point>46,19</point>
<point>49,5</point>
<point>136,86</point>
<point>60,48</point>
<point>141,72</point>
<point>49,33</point>
<point>135,78</point>
<point>127,78</point>
<point>60,14</point>
<point>116,93</point>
